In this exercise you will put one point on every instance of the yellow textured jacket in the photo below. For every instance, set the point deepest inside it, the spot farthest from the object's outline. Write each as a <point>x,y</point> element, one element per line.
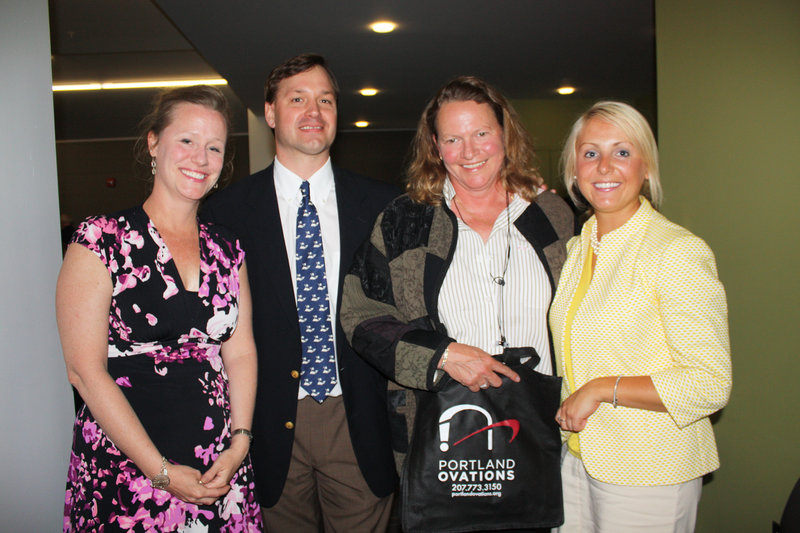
<point>654,307</point>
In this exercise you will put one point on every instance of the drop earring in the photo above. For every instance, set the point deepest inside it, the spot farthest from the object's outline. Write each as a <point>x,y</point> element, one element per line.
<point>153,166</point>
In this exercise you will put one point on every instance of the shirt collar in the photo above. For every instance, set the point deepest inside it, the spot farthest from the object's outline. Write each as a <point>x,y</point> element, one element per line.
<point>448,192</point>
<point>633,225</point>
<point>516,205</point>
<point>287,183</point>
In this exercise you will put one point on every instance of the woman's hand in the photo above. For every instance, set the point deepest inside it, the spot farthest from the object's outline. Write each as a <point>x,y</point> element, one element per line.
<point>227,463</point>
<point>474,368</point>
<point>186,484</point>
<point>578,407</point>
<point>637,392</point>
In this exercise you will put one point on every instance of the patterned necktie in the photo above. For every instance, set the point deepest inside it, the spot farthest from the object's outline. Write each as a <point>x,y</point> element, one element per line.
<point>318,373</point>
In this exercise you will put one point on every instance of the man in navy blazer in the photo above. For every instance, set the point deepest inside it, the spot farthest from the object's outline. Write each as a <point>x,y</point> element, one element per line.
<point>325,463</point>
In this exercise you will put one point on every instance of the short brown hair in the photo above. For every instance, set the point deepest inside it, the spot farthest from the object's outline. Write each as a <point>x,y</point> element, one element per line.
<point>426,172</point>
<point>160,116</point>
<point>293,66</point>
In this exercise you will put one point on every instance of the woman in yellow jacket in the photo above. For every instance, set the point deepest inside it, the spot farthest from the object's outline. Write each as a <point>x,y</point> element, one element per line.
<point>640,328</point>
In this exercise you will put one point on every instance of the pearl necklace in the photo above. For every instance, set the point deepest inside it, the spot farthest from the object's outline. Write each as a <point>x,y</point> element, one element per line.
<point>594,241</point>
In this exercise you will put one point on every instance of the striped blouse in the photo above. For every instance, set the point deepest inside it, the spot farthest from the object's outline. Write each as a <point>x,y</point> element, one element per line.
<point>469,299</point>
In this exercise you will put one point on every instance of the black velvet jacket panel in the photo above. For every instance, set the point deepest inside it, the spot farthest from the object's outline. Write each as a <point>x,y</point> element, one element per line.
<point>390,301</point>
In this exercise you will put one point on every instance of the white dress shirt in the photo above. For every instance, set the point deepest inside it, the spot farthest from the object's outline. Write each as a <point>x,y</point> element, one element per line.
<point>323,196</point>
<point>469,300</point>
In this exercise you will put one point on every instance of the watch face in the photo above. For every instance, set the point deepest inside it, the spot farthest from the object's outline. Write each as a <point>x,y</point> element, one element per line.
<point>160,481</point>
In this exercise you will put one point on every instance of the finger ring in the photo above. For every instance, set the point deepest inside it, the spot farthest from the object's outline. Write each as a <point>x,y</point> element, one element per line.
<point>560,419</point>
<point>485,386</point>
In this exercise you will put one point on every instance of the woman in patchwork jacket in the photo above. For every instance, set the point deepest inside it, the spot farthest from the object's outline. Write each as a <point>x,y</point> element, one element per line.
<point>465,263</point>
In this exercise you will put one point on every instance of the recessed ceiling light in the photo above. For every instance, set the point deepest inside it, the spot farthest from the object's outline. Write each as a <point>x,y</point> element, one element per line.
<point>383,26</point>
<point>361,124</point>
<point>368,91</point>
<point>566,89</point>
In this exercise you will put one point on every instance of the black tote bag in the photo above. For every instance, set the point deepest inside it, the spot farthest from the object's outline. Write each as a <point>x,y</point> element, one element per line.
<point>487,460</point>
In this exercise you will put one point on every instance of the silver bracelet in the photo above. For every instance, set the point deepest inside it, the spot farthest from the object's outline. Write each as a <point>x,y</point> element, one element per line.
<point>614,398</point>
<point>444,357</point>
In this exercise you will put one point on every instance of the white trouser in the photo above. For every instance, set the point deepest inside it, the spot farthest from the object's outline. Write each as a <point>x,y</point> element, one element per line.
<point>591,506</point>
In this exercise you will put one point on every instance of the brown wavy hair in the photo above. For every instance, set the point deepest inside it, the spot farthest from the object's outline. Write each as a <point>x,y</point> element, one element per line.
<point>426,172</point>
<point>160,116</point>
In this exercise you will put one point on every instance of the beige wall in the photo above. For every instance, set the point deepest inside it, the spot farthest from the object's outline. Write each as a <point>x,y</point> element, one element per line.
<point>729,132</point>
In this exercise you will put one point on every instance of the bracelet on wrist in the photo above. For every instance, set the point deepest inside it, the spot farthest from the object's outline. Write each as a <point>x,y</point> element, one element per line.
<point>242,431</point>
<point>614,397</point>
<point>444,358</point>
<point>161,480</point>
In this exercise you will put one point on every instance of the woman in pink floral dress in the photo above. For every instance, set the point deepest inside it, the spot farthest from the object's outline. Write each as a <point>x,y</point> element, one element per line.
<point>153,310</point>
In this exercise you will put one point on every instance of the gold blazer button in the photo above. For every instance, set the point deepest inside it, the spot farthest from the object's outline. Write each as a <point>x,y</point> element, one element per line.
<point>295,374</point>
<point>289,425</point>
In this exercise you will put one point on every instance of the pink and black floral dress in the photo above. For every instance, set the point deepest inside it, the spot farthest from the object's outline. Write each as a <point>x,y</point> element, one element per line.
<point>164,353</point>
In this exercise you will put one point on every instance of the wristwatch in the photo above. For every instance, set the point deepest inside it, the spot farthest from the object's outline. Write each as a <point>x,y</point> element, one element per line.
<point>161,481</point>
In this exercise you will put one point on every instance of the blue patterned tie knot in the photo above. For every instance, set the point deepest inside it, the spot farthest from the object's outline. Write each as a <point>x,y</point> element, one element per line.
<point>318,373</point>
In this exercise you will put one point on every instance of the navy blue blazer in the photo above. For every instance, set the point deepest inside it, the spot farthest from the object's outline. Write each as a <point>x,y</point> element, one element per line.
<point>250,209</point>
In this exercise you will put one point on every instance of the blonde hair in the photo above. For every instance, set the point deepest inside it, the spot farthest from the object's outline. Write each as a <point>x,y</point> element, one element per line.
<point>426,173</point>
<point>635,127</point>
